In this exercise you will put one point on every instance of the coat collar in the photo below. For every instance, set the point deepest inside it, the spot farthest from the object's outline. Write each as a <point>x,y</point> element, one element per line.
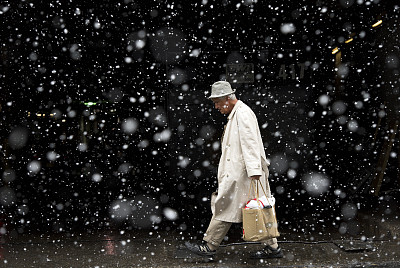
<point>237,105</point>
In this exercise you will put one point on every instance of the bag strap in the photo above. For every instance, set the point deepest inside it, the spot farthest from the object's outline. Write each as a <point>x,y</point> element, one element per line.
<point>256,191</point>
<point>254,185</point>
<point>273,209</point>
<point>259,183</point>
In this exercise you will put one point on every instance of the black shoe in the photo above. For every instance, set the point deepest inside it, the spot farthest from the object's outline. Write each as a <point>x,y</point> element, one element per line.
<point>267,253</point>
<point>200,249</point>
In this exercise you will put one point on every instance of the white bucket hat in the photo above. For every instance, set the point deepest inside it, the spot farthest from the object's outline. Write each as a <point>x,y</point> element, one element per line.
<point>221,89</point>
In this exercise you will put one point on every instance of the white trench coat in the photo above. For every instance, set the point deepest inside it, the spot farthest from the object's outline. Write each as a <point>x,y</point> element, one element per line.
<point>242,156</point>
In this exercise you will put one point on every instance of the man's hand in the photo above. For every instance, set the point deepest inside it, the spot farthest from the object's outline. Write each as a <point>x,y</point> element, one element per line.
<point>256,177</point>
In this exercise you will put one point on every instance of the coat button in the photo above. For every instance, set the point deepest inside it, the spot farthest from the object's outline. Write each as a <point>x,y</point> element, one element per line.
<point>228,160</point>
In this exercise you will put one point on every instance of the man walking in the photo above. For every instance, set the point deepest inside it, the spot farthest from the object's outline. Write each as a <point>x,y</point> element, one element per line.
<point>243,159</point>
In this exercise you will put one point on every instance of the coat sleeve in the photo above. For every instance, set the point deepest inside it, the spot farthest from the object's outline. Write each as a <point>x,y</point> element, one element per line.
<point>249,141</point>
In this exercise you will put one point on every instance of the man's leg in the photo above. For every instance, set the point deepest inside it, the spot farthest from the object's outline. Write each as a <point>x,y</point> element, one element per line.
<point>273,243</point>
<point>212,238</point>
<point>216,232</point>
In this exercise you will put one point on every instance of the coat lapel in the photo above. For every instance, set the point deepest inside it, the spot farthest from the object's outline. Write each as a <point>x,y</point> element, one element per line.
<point>238,103</point>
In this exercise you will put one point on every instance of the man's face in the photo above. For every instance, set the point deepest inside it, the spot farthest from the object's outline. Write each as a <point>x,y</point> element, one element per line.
<point>222,105</point>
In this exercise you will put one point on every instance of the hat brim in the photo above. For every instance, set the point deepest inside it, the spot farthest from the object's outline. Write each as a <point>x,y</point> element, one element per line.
<point>222,95</point>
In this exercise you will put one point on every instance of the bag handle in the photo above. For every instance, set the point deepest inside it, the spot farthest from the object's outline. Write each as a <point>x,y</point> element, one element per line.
<point>254,185</point>
<point>256,191</point>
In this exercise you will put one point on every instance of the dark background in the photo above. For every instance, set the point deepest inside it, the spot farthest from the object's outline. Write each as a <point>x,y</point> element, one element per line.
<point>154,62</point>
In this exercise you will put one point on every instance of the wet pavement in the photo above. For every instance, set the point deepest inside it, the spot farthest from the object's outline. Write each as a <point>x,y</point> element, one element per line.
<point>141,248</point>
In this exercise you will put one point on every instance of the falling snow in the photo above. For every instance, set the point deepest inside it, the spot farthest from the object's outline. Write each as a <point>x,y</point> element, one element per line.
<point>106,121</point>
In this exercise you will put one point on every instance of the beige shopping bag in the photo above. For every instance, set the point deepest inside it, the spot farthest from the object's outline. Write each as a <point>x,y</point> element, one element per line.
<point>259,224</point>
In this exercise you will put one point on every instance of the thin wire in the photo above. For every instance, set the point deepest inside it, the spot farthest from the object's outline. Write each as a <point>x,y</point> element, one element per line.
<point>305,242</point>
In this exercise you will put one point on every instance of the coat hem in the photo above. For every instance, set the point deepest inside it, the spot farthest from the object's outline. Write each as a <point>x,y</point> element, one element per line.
<point>228,220</point>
